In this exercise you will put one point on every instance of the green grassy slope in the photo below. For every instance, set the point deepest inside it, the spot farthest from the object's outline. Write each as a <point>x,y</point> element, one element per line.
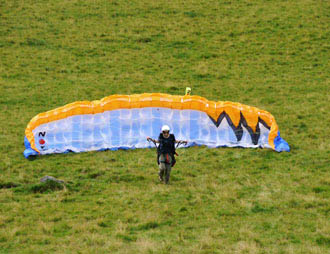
<point>270,54</point>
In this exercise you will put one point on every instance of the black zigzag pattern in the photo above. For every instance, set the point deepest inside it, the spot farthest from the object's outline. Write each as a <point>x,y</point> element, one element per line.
<point>239,129</point>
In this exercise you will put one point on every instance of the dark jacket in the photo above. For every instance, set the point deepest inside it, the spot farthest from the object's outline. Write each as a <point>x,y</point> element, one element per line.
<point>166,145</point>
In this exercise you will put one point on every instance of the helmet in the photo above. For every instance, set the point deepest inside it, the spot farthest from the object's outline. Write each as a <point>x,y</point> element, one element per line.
<point>165,128</point>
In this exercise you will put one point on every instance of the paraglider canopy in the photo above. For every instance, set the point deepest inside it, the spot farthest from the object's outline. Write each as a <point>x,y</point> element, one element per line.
<point>123,122</point>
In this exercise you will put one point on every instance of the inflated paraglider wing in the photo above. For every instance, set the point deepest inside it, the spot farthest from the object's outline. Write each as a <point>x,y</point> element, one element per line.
<point>124,122</point>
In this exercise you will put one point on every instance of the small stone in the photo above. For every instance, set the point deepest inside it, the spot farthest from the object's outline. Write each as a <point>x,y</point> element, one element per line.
<point>50,178</point>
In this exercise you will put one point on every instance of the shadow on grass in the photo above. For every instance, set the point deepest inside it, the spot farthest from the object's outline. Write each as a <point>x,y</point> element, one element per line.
<point>8,185</point>
<point>46,187</point>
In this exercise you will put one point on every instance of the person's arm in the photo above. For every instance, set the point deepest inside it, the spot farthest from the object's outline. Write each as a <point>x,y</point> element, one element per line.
<point>181,141</point>
<point>153,140</point>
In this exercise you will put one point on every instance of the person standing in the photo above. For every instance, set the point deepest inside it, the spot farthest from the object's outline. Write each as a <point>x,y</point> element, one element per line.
<point>165,152</point>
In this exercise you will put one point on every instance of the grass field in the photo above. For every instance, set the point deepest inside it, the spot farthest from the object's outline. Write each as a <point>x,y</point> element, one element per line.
<point>270,54</point>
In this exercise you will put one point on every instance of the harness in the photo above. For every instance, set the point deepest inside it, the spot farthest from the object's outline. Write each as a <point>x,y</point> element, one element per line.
<point>170,153</point>
<point>167,148</point>
<point>166,159</point>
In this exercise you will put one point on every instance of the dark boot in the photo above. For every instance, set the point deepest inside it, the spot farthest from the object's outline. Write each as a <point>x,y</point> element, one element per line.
<point>160,177</point>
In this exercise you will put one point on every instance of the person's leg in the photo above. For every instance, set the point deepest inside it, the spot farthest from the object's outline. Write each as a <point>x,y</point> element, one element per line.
<point>168,168</point>
<point>162,167</point>
<point>167,173</point>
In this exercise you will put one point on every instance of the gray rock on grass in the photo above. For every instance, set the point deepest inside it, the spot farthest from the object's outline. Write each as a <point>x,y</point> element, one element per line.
<point>51,178</point>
